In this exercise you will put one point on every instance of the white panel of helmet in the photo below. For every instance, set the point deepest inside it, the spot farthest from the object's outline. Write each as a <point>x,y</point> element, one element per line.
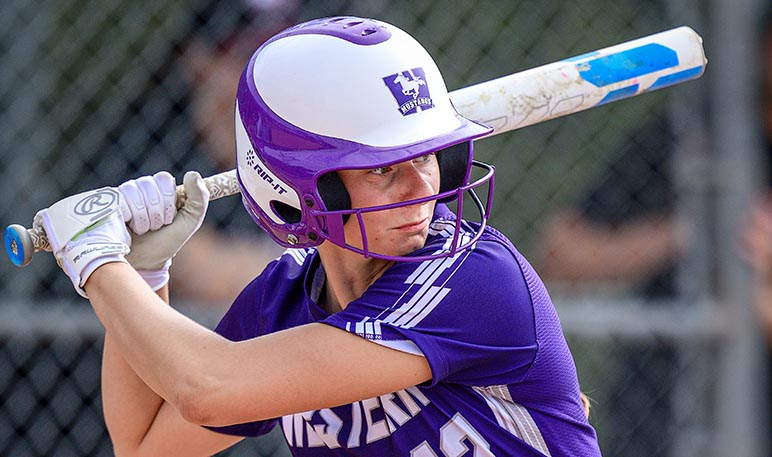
<point>263,186</point>
<point>300,78</point>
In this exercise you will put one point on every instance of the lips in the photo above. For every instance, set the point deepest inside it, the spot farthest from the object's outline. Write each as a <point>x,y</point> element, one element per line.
<point>415,226</point>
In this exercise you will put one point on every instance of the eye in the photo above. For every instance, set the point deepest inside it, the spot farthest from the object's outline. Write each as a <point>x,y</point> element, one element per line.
<point>380,170</point>
<point>424,158</point>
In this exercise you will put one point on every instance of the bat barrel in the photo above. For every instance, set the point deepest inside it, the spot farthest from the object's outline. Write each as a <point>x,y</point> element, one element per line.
<point>585,81</point>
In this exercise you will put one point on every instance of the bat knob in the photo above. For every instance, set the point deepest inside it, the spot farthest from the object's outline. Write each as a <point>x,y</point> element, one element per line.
<point>18,245</point>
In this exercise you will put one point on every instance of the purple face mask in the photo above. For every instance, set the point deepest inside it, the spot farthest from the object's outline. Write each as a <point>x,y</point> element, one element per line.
<point>335,220</point>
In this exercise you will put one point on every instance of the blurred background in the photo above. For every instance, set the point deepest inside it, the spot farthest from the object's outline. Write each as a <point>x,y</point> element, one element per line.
<point>633,212</point>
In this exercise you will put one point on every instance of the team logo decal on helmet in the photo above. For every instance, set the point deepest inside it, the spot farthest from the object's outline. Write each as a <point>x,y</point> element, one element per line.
<point>410,90</point>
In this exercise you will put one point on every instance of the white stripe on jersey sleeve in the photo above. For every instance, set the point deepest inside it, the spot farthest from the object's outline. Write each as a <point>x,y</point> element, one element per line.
<point>425,299</point>
<point>374,335</point>
<point>402,345</point>
<point>513,417</point>
<point>298,255</point>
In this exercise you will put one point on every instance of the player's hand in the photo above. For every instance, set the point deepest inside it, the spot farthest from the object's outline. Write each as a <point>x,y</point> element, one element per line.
<point>85,231</point>
<point>159,229</point>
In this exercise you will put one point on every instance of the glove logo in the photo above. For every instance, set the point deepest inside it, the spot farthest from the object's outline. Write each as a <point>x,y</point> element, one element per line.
<point>410,90</point>
<point>96,204</point>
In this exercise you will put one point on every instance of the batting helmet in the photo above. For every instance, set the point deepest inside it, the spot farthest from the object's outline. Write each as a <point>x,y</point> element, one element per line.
<point>343,93</point>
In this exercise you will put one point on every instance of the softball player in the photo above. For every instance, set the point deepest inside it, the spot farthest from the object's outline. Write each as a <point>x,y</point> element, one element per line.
<point>390,326</point>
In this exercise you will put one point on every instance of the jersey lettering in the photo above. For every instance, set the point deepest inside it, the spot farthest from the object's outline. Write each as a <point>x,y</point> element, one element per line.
<point>454,436</point>
<point>376,417</point>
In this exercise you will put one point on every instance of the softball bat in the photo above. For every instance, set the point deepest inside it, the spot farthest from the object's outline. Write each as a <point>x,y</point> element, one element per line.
<point>514,101</point>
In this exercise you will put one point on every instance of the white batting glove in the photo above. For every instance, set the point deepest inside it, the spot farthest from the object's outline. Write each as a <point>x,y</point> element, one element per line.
<point>148,205</point>
<point>85,232</point>
<point>159,229</point>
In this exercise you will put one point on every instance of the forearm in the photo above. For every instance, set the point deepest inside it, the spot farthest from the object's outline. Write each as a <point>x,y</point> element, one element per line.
<point>141,423</point>
<point>763,298</point>
<point>635,251</point>
<point>165,349</point>
<point>574,249</point>
<point>129,405</point>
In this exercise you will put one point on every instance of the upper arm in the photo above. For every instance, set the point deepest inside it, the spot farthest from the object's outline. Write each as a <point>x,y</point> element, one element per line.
<point>471,316</point>
<point>304,368</point>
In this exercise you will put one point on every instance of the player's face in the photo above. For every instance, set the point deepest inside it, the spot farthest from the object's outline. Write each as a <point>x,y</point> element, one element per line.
<point>396,231</point>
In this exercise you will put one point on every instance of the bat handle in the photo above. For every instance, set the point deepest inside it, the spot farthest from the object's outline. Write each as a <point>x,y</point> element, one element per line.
<point>219,185</point>
<point>22,243</point>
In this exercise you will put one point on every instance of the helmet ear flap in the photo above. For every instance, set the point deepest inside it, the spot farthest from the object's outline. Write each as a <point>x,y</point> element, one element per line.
<point>333,192</point>
<point>454,164</point>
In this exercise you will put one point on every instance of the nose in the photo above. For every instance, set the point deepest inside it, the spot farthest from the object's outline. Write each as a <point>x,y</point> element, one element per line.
<point>419,180</point>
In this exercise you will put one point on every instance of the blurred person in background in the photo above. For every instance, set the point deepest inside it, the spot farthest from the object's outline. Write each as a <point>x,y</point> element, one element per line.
<point>623,233</point>
<point>623,229</point>
<point>757,249</point>
<point>757,232</point>
<point>184,120</point>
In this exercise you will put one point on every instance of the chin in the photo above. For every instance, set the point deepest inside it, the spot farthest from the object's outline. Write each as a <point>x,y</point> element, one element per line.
<point>412,244</point>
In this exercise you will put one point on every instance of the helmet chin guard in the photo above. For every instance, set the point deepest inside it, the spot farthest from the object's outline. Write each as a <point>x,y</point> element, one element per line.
<point>344,93</point>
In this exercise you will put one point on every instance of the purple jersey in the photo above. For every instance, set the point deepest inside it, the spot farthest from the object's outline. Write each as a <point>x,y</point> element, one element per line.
<point>503,379</point>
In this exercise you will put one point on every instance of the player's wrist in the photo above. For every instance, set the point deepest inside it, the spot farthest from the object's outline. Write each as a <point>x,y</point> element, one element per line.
<point>156,279</point>
<point>92,267</point>
<point>113,280</point>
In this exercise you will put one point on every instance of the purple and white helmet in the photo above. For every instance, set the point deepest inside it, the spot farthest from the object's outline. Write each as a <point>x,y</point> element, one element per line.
<point>344,93</point>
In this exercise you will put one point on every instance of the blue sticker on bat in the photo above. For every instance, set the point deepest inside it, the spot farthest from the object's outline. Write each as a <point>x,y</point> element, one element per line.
<point>676,78</point>
<point>582,56</point>
<point>628,64</point>
<point>619,94</point>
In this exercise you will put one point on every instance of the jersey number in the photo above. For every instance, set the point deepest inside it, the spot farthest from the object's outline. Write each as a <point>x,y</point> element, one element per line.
<point>453,438</point>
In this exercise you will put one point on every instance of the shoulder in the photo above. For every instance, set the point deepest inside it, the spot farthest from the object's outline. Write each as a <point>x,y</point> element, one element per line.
<point>492,254</point>
<point>490,280</point>
<point>471,314</point>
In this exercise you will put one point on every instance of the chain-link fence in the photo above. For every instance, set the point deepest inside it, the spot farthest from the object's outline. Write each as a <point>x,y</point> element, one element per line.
<point>93,93</point>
